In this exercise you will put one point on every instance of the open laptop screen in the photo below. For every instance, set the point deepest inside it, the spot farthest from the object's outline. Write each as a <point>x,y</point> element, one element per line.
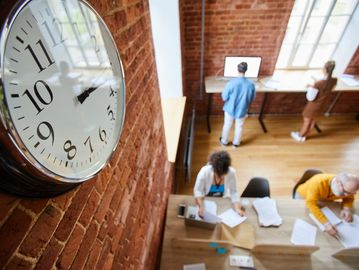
<point>231,63</point>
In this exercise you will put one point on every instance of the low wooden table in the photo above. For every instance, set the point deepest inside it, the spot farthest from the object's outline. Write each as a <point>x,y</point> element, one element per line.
<point>175,257</point>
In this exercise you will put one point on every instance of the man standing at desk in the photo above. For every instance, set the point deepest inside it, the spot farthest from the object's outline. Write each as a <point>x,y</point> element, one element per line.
<point>328,187</point>
<point>237,96</point>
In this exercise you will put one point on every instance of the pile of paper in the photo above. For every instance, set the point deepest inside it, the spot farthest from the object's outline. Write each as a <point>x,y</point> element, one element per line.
<point>349,80</point>
<point>266,209</point>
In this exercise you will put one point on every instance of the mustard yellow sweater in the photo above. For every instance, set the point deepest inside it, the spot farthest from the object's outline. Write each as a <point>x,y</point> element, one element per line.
<point>318,188</point>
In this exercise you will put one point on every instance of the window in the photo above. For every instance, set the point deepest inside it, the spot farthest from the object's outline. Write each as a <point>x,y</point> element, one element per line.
<point>314,31</point>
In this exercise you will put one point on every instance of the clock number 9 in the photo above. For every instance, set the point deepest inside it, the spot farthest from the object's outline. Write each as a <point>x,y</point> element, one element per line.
<point>39,96</point>
<point>41,132</point>
<point>70,149</point>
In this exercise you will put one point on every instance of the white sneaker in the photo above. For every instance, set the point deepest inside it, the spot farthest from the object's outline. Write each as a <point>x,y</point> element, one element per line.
<point>296,136</point>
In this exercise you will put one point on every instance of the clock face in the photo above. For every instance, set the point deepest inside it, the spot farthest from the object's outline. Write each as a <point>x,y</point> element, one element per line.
<point>63,88</point>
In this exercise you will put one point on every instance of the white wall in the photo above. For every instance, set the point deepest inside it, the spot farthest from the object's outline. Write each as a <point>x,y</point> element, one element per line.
<point>348,45</point>
<point>166,38</point>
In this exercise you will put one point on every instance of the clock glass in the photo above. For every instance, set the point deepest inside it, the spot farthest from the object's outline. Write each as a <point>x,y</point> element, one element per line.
<point>62,87</point>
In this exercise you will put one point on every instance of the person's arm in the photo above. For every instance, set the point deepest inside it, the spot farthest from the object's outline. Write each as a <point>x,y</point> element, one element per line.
<point>347,204</point>
<point>199,191</point>
<point>232,181</point>
<point>200,204</point>
<point>253,93</point>
<point>226,92</point>
<point>313,195</point>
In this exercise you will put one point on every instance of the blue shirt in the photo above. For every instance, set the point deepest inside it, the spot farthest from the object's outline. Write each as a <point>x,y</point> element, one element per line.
<point>237,96</point>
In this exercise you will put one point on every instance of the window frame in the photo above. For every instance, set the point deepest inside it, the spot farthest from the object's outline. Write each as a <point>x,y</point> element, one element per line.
<point>305,17</point>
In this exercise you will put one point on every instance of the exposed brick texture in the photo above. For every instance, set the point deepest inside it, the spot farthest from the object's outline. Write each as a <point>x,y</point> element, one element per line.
<point>115,220</point>
<point>353,67</point>
<point>240,28</point>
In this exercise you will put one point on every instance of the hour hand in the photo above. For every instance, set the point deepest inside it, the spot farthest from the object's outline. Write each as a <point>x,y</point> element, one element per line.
<point>85,94</point>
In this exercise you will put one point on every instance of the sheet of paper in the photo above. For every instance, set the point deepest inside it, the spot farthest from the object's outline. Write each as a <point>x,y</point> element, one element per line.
<point>231,218</point>
<point>303,233</point>
<point>197,266</point>
<point>332,218</point>
<point>349,233</point>
<point>349,80</point>
<point>266,209</point>
<point>241,261</point>
<point>209,217</point>
<point>210,207</point>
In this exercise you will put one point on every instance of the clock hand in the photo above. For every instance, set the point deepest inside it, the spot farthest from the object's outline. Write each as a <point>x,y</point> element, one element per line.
<point>85,94</point>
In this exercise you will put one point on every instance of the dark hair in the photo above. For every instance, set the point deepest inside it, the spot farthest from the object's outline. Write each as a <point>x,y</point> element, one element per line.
<point>242,67</point>
<point>220,162</point>
<point>329,67</point>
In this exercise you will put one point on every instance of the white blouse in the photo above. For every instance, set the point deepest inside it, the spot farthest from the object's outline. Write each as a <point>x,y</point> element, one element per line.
<point>205,179</point>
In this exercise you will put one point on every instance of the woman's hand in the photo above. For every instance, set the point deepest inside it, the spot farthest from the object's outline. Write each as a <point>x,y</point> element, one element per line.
<point>239,209</point>
<point>201,210</point>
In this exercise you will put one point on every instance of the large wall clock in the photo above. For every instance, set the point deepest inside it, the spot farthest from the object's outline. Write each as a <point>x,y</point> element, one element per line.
<point>62,96</point>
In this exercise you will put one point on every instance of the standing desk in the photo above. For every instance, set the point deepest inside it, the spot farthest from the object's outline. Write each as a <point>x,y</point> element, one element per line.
<point>288,82</point>
<point>174,257</point>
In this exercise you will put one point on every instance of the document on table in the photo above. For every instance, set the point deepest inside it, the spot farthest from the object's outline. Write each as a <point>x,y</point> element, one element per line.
<point>332,218</point>
<point>231,218</point>
<point>210,208</point>
<point>349,232</point>
<point>303,233</point>
<point>266,209</point>
<point>349,80</point>
<point>209,217</point>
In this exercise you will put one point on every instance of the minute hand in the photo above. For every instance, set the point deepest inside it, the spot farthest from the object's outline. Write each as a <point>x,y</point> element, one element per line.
<point>85,94</point>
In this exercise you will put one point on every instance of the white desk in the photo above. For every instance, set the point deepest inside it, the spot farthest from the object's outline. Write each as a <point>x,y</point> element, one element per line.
<point>174,257</point>
<point>288,82</point>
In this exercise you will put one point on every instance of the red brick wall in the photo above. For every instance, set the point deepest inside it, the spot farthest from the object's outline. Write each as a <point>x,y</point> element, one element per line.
<point>115,220</point>
<point>241,27</point>
<point>353,67</point>
<point>232,27</point>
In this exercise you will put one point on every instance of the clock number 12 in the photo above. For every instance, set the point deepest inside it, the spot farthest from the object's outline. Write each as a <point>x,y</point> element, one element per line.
<point>33,54</point>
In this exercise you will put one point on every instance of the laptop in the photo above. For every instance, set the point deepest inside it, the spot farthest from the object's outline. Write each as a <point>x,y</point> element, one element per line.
<point>191,219</point>
<point>231,63</point>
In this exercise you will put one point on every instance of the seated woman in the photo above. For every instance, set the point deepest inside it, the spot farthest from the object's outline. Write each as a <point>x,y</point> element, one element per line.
<point>217,179</point>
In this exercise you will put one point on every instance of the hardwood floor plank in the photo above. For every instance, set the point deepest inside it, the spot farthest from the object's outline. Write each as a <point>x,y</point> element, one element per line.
<point>275,155</point>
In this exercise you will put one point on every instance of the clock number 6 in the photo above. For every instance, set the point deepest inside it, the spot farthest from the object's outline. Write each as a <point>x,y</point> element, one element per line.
<point>70,149</point>
<point>39,96</point>
<point>102,134</point>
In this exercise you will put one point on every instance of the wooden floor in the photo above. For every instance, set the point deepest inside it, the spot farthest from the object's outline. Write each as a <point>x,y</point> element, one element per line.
<point>275,155</point>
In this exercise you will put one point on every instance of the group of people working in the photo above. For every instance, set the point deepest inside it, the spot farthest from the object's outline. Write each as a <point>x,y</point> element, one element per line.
<point>218,179</point>
<point>239,93</point>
